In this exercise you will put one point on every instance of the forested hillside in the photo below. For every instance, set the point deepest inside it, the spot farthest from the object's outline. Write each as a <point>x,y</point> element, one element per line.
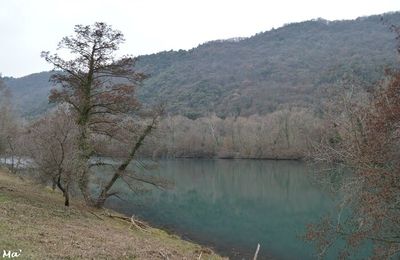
<point>290,65</point>
<point>30,93</point>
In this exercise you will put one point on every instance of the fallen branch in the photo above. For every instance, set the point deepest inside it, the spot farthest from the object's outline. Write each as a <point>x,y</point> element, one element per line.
<point>163,255</point>
<point>134,222</point>
<point>95,215</point>
<point>256,254</point>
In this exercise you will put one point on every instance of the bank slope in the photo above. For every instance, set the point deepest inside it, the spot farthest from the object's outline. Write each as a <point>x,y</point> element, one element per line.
<point>34,221</point>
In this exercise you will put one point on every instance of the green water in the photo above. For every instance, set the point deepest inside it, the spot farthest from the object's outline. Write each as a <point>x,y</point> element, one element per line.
<point>231,205</point>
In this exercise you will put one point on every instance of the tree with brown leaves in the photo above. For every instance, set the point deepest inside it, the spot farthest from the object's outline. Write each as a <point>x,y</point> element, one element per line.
<point>364,137</point>
<point>100,91</point>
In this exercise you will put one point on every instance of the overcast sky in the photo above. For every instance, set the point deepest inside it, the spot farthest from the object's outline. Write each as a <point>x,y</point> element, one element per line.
<point>28,27</point>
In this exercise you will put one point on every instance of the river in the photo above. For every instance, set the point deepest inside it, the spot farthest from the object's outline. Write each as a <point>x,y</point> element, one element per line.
<point>232,205</point>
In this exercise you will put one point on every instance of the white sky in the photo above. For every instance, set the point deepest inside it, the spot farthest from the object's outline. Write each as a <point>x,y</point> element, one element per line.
<point>28,27</point>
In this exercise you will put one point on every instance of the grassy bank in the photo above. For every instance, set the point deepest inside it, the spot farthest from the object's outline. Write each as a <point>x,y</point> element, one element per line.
<point>34,220</point>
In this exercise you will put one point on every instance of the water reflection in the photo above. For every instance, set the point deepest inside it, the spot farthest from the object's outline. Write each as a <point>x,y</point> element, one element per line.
<point>234,204</point>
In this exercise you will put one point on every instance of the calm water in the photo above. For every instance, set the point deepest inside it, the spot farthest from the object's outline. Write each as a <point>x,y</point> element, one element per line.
<point>232,205</point>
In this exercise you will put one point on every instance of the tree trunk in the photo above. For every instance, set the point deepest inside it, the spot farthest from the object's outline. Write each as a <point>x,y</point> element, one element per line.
<point>66,197</point>
<point>84,157</point>
<point>65,191</point>
<point>121,169</point>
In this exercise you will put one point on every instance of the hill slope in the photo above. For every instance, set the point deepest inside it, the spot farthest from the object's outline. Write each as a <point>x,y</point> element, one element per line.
<point>283,66</point>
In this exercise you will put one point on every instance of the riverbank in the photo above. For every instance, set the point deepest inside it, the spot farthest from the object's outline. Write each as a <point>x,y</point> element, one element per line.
<point>35,224</point>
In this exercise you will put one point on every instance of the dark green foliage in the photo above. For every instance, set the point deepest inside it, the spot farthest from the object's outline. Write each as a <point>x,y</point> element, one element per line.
<point>260,74</point>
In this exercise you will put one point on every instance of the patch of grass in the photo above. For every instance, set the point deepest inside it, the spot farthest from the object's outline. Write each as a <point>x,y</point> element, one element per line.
<point>3,198</point>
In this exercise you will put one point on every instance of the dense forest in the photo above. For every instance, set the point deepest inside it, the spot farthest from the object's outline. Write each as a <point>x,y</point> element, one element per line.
<point>289,66</point>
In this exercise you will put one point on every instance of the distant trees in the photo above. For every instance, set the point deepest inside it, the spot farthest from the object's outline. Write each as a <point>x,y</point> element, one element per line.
<point>264,73</point>
<point>4,116</point>
<point>9,130</point>
<point>100,92</point>
<point>284,134</point>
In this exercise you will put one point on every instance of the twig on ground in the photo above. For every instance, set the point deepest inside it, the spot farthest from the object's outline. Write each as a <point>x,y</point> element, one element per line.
<point>163,255</point>
<point>95,215</point>
<point>134,222</point>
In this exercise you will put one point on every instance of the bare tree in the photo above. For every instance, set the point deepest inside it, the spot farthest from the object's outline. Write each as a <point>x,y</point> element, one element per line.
<point>51,142</point>
<point>363,136</point>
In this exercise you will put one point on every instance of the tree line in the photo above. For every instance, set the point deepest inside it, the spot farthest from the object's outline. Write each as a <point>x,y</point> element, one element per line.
<point>283,134</point>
